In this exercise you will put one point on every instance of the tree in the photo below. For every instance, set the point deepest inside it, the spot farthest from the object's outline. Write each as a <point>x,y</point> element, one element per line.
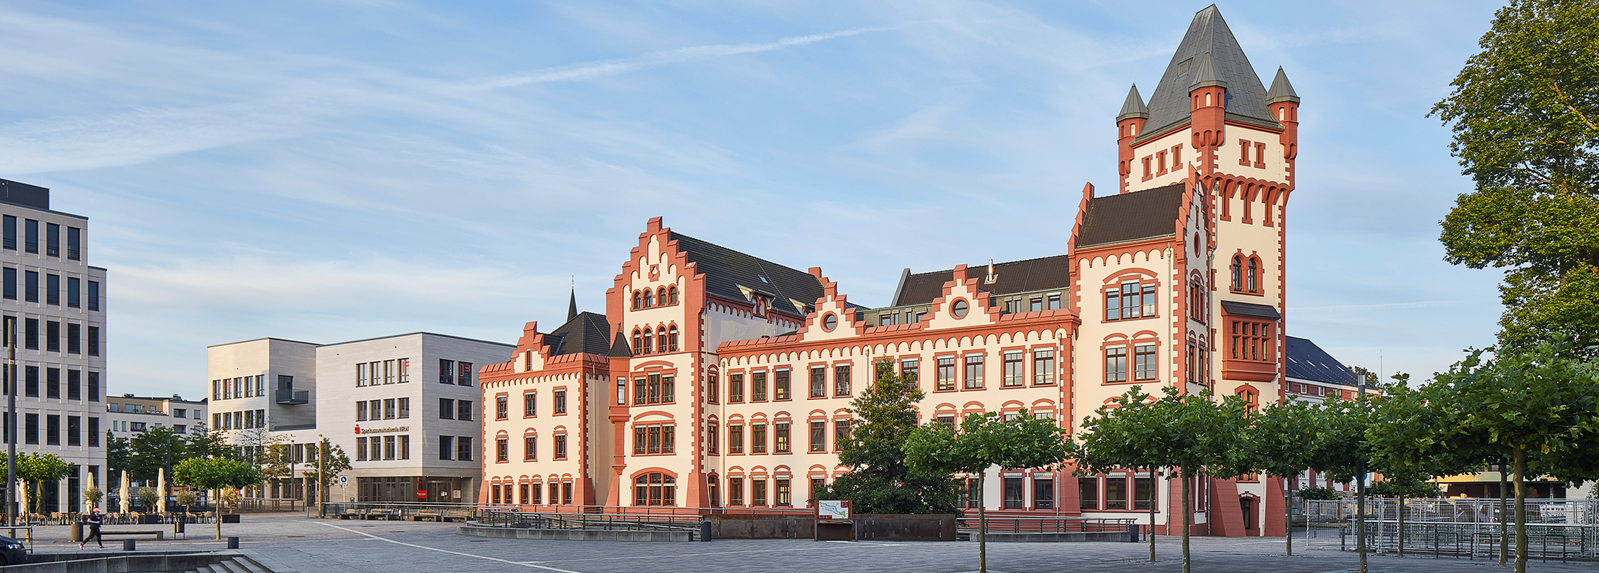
<point>1525,117</point>
<point>152,450</point>
<point>216,474</point>
<point>1200,435</point>
<point>1540,404</point>
<point>1407,446</point>
<point>148,498</point>
<point>1279,443</point>
<point>1124,434</point>
<point>1343,454</point>
<point>329,462</point>
<point>117,451</point>
<point>40,468</point>
<point>207,443</point>
<point>984,441</point>
<point>92,495</point>
<point>880,480</point>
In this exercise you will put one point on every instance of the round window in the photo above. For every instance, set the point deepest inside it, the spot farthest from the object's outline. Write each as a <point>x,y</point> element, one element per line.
<point>829,322</point>
<point>958,308</point>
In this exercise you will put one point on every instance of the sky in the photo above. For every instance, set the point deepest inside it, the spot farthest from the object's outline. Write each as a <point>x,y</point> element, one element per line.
<point>337,170</point>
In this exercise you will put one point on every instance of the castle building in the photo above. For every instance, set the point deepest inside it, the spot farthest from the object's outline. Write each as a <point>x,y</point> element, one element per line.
<point>719,379</point>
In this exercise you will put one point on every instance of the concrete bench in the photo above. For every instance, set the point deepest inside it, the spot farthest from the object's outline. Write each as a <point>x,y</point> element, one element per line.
<point>159,534</point>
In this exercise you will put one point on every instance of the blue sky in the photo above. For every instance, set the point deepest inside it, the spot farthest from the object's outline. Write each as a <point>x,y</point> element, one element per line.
<point>326,171</point>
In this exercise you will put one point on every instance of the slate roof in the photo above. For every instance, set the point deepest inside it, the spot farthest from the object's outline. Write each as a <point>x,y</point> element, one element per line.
<point>1236,308</point>
<point>1012,277</point>
<point>1281,90</point>
<point>1306,361</point>
<point>620,348</point>
<point>726,270</point>
<point>1130,216</point>
<point>1134,106</point>
<point>1208,33</point>
<point>586,333</point>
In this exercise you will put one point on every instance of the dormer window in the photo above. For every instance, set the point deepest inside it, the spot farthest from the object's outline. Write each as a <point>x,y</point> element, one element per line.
<point>761,305</point>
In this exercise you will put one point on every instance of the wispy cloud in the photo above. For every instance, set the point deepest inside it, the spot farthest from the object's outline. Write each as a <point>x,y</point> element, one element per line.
<point>592,70</point>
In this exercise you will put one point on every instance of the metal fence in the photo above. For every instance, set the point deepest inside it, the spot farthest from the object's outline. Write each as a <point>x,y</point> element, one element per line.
<point>421,511</point>
<point>1557,528</point>
<point>1050,524</point>
<point>587,521</point>
<point>408,511</point>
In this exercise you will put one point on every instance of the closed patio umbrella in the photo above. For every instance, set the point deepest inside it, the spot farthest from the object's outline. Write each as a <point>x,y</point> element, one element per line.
<point>123,499</point>
<point>161,488</point>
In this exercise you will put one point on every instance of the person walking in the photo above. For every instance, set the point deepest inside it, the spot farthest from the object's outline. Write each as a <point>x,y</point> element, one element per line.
<point>93,522</point>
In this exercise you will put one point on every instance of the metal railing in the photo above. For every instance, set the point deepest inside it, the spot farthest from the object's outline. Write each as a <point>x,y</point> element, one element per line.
<point>1049,524</point>
<point>398,510</point>
<point>1557,529</point>
<point>587,521</point>
<point>649,510</point>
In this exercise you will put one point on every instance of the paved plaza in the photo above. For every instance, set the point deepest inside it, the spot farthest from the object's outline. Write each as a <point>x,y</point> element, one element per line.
<point>290,543</point>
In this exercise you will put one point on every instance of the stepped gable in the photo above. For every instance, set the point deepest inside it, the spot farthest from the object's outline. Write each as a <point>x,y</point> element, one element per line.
<point>1306,361</point>
<point>586,333</point>
<point>1010,277</point>
<point>726,270</point>
<point>1225,64</point>
<point>1132,216</point>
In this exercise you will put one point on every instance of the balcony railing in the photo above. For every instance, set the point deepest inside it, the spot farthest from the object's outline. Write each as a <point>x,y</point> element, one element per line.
<point>292,397</point>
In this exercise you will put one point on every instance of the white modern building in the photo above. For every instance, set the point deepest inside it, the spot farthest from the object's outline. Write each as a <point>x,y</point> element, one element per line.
<point>128,415</point>
<point>56,301</point>
<point>404,408</point>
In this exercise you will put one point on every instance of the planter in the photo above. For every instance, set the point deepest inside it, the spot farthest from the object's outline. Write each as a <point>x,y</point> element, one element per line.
<point>147,519</point>
<point>230,518</point>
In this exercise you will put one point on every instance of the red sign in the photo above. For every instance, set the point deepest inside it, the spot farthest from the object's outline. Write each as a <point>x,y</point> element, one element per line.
<point>357,428</point>
<point>421,494</point>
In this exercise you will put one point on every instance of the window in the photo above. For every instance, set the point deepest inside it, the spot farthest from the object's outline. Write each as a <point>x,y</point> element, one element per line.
<point>446,446</point>
<point>735,387</point>
<point>30,430</point>
<point>1013,493</point>
<point>1144,366</point>
<point>638,299</point>
<point>958,308</point>
<point>649,298</point>
<point>1130,300</point>
<point>735,438</point>
<point>463,410</point>
<point>1254,275</point>
<point>30,290</point>
<point>94,295</point>
<point>446,409</point>
<point>1015,372</point>
<point>560,401</point>
<point>502,407</point>
<point>94,432</point>
<point>94,389</point>
<point>818,381</point>
<point>446,371</point>
<point>1116,364</point>
<point>360,374</point>
<point>735,491</point>
<point>671,295</point>
<point>74,338</point>
<point>388,409</point>
<point>757,438</point>
<point>1196,301</point>
<point>11,232</point>
<point>654,439</point>
<point>1251,340</point>
<point>30,382</point>
<point>52,289</point>
<point>530,448</point>
<point>560,446</point>
<point>974,371</point>
<point>780,385</point>
<point>1238,273</point>
<point>758,387</point>
<point>1088,493</point>
<point>388,447</point>
<point>52,240</point>
<point>649,341</point>
<point>1054,302</point>
<point>74,392</point>
<point>757,491</point>
<point>1043,493</point>
<point>73,299</point>
<point>10,283</point>
<point>1116,492</point>
<point>638,343</point>
<point>818,436</point>
<point>655,489</point>
<point>1043,366</point>
<point>1143,492</point>
<point>840,434</point>
<point>360,411</point>
<point>74,243</point>
<point>785,493</point>
<point>671,339</point>
<point>94,341</point>
<point>710,438</point>
<point>711,391</point>
<point>641,391</point>
<point>946,373</point>
<point>360,449</point>
<point>841,385</point>
<point>530,404</point>
<point>463,448</point>
<point>466,374</point>
<point>31,236</point>
<point>780,435</point>
<point>908,370</point>
<point>502,449</point>
<point>402,368</point>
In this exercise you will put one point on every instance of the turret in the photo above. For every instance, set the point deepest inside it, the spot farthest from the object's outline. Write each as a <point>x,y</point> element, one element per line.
<point>1129,123</point>
<point>1284,105</point>
<point>1207,96</point>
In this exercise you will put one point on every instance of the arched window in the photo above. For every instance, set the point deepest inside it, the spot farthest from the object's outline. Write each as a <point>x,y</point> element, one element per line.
<point>638,298</point>
<point>649,298</point>
<point>661,297</point>
<point>638,342</point>
<point>655,489</point>
<point>671,295</point>
<point>649,340</point>
<point>1254,274</point>
<point>671,339</point>
<point>1238,273</point>
<point>660,338</point>
<point>1251,398</point>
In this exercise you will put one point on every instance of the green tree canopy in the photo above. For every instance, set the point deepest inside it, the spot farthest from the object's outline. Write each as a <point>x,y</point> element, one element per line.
<point>148,451</point>
<point>1279,442</point>
<point>40,468</point>
<point>880,481</point>
<point>1126,433</point>
<point>216,474</point>
<point>1343,454</point>
<point>1525,116</point>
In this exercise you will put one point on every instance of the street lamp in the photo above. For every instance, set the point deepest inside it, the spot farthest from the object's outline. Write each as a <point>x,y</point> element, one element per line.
<point>11,420</point>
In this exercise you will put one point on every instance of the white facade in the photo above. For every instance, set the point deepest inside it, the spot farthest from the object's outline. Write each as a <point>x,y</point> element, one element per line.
<point>128,415</point>
<point>58,302</point>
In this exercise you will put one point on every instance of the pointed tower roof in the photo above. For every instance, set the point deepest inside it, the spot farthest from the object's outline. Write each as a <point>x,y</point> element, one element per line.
<point>619,348</point>
<point>1246,96</point>
<point>1281,90</point>
<point>1134,106</point>
<point>571,306</point>
<point>1205,73</point>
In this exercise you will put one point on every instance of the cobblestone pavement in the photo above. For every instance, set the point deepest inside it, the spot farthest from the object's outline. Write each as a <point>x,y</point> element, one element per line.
<point>290,542</point>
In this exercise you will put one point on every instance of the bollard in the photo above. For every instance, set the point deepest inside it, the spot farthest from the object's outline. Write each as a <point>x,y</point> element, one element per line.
<point>128,545</point>
<point>705,530</point>
<point>233,543</point>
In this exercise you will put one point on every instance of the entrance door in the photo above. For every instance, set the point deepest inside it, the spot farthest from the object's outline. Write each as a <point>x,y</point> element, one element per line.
<point>438,491</point>
<point>1248,505</point>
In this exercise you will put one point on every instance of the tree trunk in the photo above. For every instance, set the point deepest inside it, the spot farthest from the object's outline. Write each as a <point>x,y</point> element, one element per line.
<point>1504,539</point>
<point>1154,500</point>
<point>1401,524</point>
<point>1288,518</point>
<point>982,526</point>
<point>1521,510</point>
<point>1186,516</point>
<point>1360,517</point>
